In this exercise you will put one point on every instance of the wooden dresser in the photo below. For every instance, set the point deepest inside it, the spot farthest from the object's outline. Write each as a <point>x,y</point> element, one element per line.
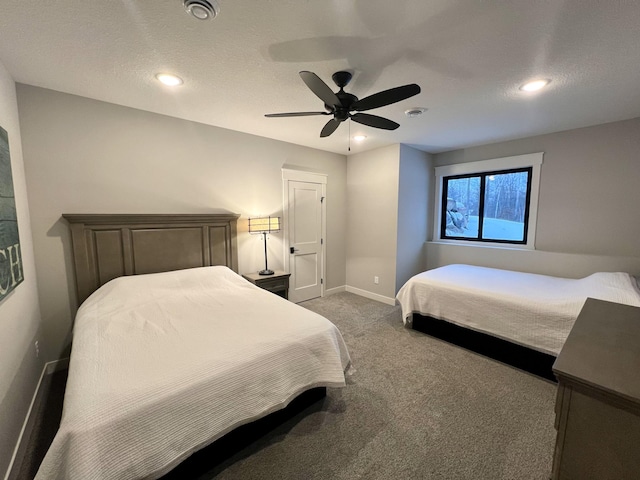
<point>598,404</point>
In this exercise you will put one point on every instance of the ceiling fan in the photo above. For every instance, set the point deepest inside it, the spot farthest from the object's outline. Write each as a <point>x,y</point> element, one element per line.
<point>341,104</point>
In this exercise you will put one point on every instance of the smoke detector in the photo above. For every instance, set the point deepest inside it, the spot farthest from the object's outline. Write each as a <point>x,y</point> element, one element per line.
<point>202,9</point>
<point>415,112</point>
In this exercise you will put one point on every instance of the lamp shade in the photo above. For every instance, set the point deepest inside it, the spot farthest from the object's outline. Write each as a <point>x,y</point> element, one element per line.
<point>264,224</point>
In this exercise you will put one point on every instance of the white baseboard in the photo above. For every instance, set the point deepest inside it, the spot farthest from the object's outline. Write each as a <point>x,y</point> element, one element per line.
<point>371,295</point>
<point>331,291</point>
<point>57,365</point>
<point>48,369</point>
<point>24,424</point>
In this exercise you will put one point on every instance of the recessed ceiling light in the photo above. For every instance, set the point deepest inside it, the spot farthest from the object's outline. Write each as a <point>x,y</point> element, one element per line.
<point>535,85</point>
<point>202,9</point>
<point>169,79</point>
<point>415,112</point>
<point>359,138</point>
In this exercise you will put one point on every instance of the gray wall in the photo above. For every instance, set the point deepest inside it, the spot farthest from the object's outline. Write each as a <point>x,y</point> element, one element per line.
<point>372,206</point>
<point>389,201</point>
<point>19,313</point>
<point>589,197</point>
<point>86,156</point>
<point>415,212</point>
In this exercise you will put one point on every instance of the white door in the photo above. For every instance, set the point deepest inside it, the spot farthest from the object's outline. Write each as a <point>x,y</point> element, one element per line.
<point>305,238</point>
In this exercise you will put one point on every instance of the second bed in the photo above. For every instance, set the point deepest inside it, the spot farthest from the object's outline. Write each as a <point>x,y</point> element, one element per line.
<point>535,311</point>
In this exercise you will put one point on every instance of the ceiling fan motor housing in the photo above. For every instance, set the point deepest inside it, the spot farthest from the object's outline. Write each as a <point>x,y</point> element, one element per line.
<point>346,101</point>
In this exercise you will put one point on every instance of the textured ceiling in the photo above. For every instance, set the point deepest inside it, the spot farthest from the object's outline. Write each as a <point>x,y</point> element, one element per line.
<point>468,56</point>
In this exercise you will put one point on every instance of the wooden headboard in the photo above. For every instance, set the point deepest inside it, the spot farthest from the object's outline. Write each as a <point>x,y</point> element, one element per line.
<point>110,246</point>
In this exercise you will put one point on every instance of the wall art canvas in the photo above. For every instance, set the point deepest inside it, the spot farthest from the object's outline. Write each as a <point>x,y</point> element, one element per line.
<point>11,272</point>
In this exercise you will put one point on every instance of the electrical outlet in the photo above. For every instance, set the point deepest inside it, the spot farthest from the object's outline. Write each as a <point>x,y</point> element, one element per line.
<point>376,280</point>
<point>37,348</point>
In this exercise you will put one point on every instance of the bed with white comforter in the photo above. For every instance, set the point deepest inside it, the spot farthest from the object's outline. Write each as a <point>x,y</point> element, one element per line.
<point>533,310</point>
<point>164,364</point>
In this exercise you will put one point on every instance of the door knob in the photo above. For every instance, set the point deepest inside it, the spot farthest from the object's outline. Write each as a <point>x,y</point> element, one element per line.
<point>293,249</point>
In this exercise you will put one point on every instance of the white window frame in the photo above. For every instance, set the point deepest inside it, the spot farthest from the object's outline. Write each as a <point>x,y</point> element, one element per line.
<point>533,160</point>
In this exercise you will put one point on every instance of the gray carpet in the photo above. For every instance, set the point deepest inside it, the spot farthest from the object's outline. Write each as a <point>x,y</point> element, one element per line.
<point>415,407</point>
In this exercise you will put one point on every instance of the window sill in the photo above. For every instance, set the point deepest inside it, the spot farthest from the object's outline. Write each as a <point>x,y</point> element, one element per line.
<point>500,246</point>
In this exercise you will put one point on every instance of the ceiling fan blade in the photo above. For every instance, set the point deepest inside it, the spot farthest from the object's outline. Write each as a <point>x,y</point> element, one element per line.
<point>296,114</point>
<point>321,89</point>
<point>386,97</point>
<point>329,128</point>
<point>374,121</point>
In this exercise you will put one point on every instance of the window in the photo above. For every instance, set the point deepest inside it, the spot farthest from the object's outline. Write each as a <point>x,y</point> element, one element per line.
<point>491,206</point>
<point>492,201</point>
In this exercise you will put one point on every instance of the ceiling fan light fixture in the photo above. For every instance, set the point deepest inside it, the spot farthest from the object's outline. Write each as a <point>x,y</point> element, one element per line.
<point>415,112</point>
<point>535,85</point>
<point>359,138</point>
<point>202,9</point>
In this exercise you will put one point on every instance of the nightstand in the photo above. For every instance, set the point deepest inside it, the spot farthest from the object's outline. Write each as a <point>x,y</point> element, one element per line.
<point>277,283</point>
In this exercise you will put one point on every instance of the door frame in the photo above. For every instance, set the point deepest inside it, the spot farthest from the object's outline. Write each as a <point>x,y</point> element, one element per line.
<point>289,174</point>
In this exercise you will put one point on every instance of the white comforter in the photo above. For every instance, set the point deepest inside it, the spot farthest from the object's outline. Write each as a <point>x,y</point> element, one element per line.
<point>537,311</point>
<point>164,364</point>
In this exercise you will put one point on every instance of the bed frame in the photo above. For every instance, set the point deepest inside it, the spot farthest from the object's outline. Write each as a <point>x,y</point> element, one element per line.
<point>107,246</point>
<point>485,344</point>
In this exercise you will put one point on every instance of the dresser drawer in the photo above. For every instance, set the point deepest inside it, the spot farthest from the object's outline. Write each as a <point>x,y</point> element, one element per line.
<point>274,284</point>
<point>277,283</point>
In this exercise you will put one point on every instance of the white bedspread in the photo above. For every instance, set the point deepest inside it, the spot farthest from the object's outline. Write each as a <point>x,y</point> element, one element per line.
<point>164,364</point>
<point>537,311</point>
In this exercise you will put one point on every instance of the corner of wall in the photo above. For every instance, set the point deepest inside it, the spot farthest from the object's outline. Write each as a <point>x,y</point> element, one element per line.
<point>415,181</point>
<point>372,193</point>
<point>20,319</point>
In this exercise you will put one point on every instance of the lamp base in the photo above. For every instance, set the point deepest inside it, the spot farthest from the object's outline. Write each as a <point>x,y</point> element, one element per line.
<point>265,272</point>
